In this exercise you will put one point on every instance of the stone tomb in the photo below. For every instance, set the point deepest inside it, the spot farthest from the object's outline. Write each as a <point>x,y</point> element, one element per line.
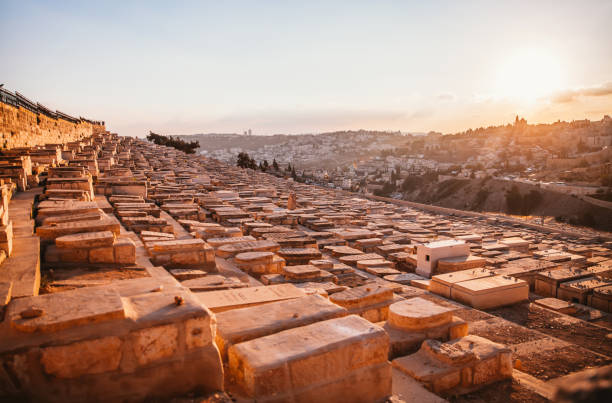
<point>100,343</point>
<point>601,298</point>
<point>491,292</point>
<point>232,249</point>
<point>412,321</point>
<point>442,284</point>
<point>299,256</point>
<point>526,269</point>
<point>342,359</point>
<point>91,248</point>
<point>182,253</point>
<point>212,283</point>
<point>49,232</point>
<point>403,278</point>
<point>220,301</point>
<point>457,263</point>
<point>370,301</point>
<point>580,290</point>
<point>259,263</point>
<point>239,325</point>
<point>547,282</point>
<point>354,259</point>
<point>458,366</point>
<point>70,309</point>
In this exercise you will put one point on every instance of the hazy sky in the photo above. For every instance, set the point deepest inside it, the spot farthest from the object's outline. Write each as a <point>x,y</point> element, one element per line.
<point>310,66</point>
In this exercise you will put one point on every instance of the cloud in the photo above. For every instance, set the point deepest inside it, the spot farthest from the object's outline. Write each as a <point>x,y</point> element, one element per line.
<point>571,95</point>
<point>446,97</point>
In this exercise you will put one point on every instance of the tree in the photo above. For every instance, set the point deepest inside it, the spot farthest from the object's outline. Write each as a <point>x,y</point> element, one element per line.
<point>522,204</point>
<point>289,167</point>
<point>275,164</point>
<point>169,141</point>
<point>244,160</point>
<point>386,191</point>
<point>514,200</point>
<point>293,174</point>
<point>411,183</point>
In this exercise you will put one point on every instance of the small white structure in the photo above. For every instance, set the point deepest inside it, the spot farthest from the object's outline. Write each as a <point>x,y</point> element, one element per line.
<point>429,254</point>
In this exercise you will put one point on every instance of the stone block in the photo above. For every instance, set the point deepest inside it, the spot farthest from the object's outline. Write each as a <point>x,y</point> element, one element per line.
<point>50,232</point>
<point>457,366</point>
<point>363,296</point>
<point>198,333</point>
<point>55,255</point>
<point>309,358</point>
<point>442,284</point>
<point>66,309</point>
<point>125,251</point>
<point>155,343</point>
<point>219,301</point>
<point>491,292</point>
<point>105,254</point>
<point>85,240</point>
<point>245,324</point>
<point>82,358</point>
<point>187,274</point>
<point>418,314</point>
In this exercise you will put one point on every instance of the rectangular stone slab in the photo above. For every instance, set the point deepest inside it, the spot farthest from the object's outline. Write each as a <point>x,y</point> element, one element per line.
<point>490,292</point>
<point>65,207</point>
<point>304,360</point>
<point>229,250</point>
<point>245,324</point>
<point>219,301</point>
<point>362,296</point>
<point>353,259</point>
<point>50,232</point>
<point>178,245</point>
<point>66,309</point>
<point>442,284</point>
<point>301,271</point>
<point>85,240</point>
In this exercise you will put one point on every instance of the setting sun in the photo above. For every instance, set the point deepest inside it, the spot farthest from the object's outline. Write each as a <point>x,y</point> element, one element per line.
<point>528,75</point>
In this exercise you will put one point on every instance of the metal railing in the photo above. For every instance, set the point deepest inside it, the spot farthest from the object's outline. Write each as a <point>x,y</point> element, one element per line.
<point>19,101</point>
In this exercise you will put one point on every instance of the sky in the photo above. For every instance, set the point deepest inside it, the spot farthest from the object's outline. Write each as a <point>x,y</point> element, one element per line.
<point>312,66</point>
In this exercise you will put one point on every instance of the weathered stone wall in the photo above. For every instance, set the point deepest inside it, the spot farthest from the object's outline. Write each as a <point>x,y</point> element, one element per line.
<point>20,127</point>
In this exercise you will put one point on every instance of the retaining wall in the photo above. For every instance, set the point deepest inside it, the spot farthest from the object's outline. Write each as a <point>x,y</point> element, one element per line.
<point>20,127</point>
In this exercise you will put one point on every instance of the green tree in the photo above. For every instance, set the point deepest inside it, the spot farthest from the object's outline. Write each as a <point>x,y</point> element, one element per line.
<point>514,200</point>
<point>243,160</point>
<point>169,141</point>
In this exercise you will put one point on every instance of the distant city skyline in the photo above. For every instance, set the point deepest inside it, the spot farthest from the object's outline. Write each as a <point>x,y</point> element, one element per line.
<point>309,67</point>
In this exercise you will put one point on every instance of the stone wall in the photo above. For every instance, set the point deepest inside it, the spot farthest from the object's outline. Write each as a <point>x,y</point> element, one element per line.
<point>20,127</point>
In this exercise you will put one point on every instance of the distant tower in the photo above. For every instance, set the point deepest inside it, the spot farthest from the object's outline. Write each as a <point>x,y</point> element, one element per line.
<point>250,133</point>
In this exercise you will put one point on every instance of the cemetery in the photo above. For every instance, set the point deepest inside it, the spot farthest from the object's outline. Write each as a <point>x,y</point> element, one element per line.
<point>131,271</point>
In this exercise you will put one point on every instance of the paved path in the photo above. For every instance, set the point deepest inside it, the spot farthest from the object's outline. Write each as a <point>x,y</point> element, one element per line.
<point>23,266</point>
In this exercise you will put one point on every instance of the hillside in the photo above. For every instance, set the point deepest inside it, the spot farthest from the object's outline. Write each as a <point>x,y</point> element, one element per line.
<point>490,195</point>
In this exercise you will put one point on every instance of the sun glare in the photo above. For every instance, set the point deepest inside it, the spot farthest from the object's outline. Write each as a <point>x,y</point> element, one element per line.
<point>528,75</point>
